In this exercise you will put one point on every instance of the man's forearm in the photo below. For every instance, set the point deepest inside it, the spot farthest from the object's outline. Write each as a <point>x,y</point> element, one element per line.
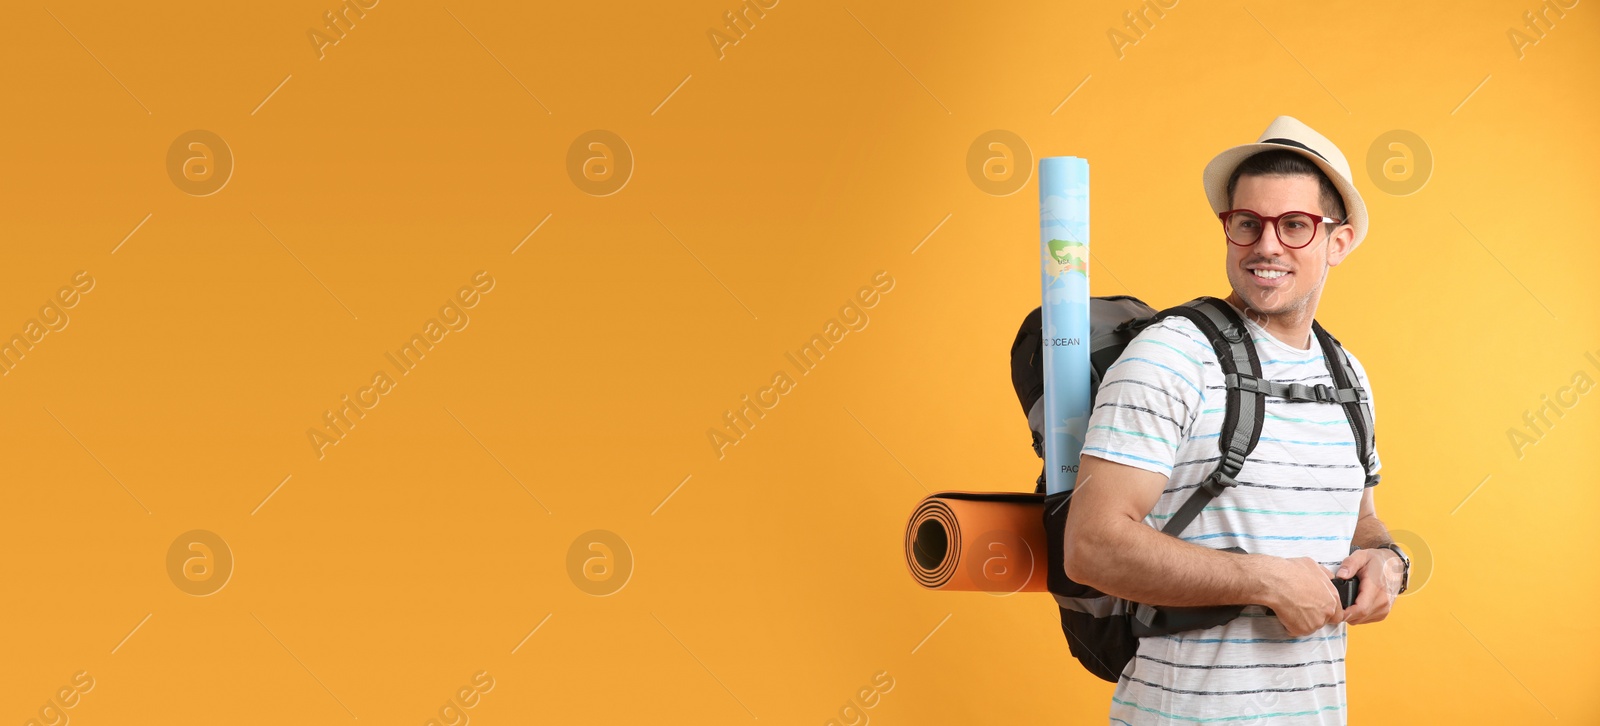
<point>1133,561</point>
<point>1370,533</point>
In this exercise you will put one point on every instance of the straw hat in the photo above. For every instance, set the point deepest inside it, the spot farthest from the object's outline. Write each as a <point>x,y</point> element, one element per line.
<point>1287,132</point>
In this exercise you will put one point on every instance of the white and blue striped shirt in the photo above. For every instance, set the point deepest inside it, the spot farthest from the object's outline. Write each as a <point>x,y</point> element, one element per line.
<point>1160,408</point>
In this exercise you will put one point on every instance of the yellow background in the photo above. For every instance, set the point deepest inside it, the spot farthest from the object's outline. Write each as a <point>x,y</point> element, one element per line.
<point>823,147</point>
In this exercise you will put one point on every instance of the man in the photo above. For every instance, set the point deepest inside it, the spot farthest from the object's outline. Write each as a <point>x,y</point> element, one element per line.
<point>1303,506</point>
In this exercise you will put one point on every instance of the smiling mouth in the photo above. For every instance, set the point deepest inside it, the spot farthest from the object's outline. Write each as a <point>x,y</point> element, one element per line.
<point>1271,275</point>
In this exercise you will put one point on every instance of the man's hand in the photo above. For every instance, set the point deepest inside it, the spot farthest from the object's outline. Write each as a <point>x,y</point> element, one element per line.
<point>1303,596</point>
<point>1380,571</point>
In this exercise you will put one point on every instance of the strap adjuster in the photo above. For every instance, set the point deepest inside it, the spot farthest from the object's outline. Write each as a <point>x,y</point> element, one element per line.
<point>1217,483</point>
<point>1243,382</point>
<point>1232,458</point>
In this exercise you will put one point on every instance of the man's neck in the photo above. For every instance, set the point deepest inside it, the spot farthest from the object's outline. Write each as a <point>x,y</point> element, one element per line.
<point>1291,328</point>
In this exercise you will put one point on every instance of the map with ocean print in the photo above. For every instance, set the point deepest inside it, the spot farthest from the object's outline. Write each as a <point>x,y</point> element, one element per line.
<point>1064,279</point>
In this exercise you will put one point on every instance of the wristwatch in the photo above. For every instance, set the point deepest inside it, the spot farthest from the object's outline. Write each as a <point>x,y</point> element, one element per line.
<point>1405,573</point>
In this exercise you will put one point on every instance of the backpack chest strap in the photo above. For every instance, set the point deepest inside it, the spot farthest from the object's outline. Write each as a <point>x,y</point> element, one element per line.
<point>1317,393</point>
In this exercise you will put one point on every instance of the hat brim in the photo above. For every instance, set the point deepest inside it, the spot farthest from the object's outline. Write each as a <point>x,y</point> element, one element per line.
<point>1222,166</point>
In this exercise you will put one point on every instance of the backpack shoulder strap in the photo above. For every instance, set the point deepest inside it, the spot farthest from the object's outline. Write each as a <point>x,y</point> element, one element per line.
<point>1246,404</point>
<point>1356,401</point>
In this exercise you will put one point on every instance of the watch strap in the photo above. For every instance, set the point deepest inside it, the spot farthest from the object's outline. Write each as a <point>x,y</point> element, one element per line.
<point>1405,572</point>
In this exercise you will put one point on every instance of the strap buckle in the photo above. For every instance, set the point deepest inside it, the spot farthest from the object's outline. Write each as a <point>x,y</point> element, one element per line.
<point>1353,394</point>
<point>1318,392</point>
<point>1145,614</point>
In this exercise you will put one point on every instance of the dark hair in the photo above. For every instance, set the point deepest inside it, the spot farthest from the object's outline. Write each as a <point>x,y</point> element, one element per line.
<point>1288,163</point>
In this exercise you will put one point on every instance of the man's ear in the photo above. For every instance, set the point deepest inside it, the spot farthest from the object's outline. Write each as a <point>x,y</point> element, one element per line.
<point>1341,244</point>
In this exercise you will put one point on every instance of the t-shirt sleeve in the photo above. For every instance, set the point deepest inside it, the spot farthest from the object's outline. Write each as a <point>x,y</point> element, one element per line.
<point>1150,398</point>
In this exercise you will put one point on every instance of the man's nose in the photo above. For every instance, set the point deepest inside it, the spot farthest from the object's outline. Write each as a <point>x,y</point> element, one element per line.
<point>1269,244</point>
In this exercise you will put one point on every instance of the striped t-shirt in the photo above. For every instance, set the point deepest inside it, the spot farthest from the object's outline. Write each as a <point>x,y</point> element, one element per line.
<point>1160,408</point>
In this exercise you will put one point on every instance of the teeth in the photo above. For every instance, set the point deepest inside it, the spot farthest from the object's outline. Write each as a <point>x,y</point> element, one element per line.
<point>1269,274</point>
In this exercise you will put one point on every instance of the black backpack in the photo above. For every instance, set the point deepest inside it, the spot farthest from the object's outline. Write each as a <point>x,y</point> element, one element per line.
<point>1103,631</point>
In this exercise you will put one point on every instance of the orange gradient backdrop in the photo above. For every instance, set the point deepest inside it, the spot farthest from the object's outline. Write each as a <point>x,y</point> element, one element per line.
<point>533,524</point>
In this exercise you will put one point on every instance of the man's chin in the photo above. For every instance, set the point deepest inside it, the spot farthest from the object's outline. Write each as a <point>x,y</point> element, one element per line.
<point>1267,302</point>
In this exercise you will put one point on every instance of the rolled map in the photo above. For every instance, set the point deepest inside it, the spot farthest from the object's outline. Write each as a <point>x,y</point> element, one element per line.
<point>1064,248</point>
<point>978,541</point>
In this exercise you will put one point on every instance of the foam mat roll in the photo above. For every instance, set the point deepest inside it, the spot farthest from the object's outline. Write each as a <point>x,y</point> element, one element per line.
<point>978,541</point>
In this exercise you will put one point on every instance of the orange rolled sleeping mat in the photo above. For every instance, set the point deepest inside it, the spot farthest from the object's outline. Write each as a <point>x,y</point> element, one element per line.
<point>978,541</point>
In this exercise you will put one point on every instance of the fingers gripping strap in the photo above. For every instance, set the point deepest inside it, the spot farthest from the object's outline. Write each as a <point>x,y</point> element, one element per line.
<point>1357,412</point>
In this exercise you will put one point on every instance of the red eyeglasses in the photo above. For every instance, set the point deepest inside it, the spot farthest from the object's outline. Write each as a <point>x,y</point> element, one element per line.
<point>1295,229</point>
